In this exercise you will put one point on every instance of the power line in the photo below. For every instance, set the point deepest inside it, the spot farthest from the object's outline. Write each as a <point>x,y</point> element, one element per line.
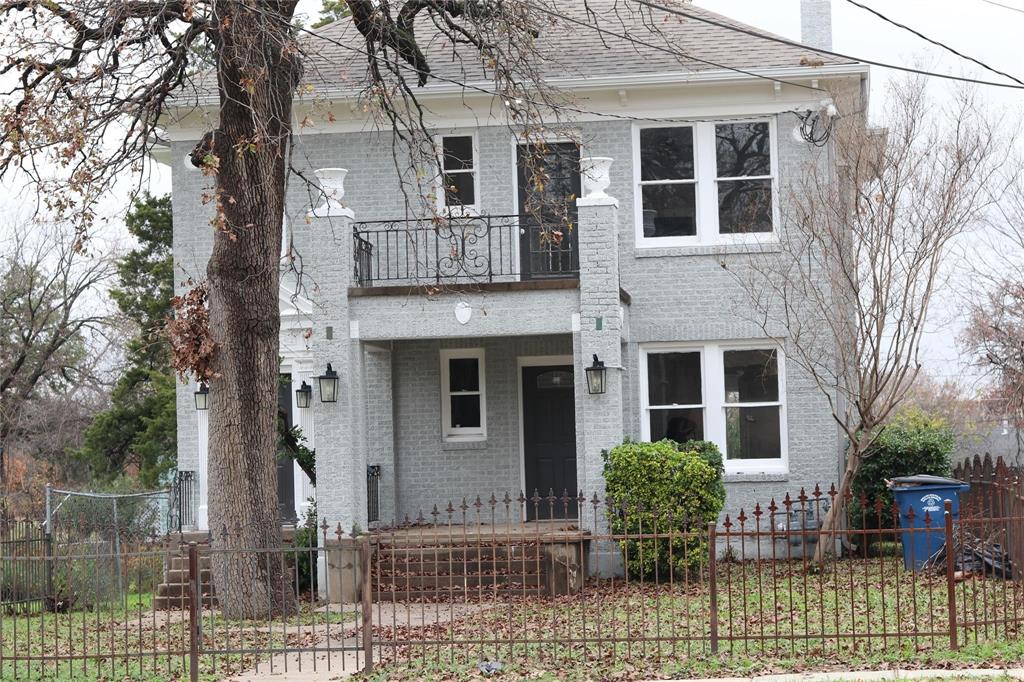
<point>1009,7</point>
<point>830,53</point>
<point>933,41</point>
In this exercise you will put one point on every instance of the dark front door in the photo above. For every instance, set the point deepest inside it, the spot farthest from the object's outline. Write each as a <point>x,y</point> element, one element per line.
<point>549,440</point>
<point>285,467</point>
<point>549,184</point>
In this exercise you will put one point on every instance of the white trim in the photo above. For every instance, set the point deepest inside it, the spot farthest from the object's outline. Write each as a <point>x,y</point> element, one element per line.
<point>800,74</point>
<point>705,181</point>
<point>713,399</point>
<point>451,434</point>
<point>533,361</point>
<point>468,209</point>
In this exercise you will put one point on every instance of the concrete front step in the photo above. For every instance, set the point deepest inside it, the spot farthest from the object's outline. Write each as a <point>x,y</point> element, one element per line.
<point>180,603</point>
<point>444,566</point>
<point>458,553</point>
<point>179,563</point>
<point>443,582</point>
<point>179,589</point>
<point>447,596</point>
<point>180,575</point>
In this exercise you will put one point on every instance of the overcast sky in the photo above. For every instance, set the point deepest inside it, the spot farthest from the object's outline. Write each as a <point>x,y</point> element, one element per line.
<point>981,29</point>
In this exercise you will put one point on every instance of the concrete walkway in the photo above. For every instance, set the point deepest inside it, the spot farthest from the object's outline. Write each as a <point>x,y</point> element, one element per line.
<point>878,676</point>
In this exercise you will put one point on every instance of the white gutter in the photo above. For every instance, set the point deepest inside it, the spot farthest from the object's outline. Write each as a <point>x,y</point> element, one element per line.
<point>797,73</point>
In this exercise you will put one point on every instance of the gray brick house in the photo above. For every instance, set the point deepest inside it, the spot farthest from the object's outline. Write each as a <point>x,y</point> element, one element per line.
<point>462,352</point>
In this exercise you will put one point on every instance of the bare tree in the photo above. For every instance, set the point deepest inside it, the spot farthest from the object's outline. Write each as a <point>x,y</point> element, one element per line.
<point>995,330</point>
<point>54,320</point>
<point>863,249</point>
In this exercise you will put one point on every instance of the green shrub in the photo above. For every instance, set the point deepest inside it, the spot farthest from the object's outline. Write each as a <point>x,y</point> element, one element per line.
<point>658,487</point>
<point>912,443</point>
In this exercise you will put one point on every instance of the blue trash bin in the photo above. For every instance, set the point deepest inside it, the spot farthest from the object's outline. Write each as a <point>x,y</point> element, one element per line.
<point>926,495</point>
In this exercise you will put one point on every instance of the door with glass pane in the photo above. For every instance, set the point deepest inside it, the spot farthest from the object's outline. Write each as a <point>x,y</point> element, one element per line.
<point>549,184</point>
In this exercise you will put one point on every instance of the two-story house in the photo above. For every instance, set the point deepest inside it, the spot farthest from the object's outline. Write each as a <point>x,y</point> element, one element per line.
<point>462,349</point>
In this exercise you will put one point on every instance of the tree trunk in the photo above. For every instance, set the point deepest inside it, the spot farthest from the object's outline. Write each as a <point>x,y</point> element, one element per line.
<point>257,76</point>
<point>831,524</point>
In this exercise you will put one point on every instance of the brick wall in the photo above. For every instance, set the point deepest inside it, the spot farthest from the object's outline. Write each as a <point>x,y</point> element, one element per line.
<point>677,295</point>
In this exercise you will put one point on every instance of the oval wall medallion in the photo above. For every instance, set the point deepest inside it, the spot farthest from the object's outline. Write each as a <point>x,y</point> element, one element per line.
<point>463,312</point>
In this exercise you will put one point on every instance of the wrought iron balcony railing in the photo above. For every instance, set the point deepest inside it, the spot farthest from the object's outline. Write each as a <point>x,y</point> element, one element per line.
<point>463,250</point>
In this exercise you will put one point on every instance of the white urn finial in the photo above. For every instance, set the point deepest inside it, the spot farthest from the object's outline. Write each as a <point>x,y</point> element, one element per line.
<point>596,177</point>
<point>332,184</point>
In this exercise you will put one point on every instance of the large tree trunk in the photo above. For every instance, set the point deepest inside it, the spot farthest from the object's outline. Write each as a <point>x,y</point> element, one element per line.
<point>257,76</point>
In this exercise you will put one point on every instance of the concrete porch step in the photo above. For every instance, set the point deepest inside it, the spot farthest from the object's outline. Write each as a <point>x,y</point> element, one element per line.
<point>443,582</point>
<point>181,603</point>
<point>444,566</point>
<point>452,595</point>
<point>457,553</point>
<point>180,589</point>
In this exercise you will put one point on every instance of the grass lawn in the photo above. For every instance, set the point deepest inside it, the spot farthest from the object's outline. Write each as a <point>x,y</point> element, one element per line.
<point>148,645</point>
<point>781,620</point>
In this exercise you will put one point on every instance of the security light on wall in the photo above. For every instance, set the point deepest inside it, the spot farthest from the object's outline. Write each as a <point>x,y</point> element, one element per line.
<point>328,385</point>
<point>303,396</point>
<point>202,397</point>
<point>596,375</point>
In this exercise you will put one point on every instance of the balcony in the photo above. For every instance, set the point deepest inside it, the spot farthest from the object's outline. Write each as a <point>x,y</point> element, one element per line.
<point>463,251</point>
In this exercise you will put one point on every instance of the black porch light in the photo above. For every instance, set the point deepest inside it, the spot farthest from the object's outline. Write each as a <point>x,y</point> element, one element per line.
<point>328,385</point>
<point>596,374</point>
<point>202,396</point>
<point>303,396</point>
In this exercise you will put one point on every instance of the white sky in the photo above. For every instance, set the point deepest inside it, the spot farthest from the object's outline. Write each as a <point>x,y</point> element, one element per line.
<point>977,28</point>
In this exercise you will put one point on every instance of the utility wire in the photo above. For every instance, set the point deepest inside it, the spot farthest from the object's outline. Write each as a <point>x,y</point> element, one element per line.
<point>1009,7</point>
<point>934,42</point>
<point>818,50</point>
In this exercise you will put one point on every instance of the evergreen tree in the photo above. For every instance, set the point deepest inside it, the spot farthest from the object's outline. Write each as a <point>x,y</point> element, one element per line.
<point>140,427</point>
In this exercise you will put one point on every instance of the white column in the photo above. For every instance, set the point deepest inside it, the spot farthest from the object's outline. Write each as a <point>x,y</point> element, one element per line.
<point>203,449</point>
<point>303,418</point>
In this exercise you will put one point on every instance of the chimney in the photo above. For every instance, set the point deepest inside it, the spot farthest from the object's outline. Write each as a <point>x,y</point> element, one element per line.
<point>816,23</point>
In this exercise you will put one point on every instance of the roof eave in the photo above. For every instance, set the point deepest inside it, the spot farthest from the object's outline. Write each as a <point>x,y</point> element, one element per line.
<point>723,76</point>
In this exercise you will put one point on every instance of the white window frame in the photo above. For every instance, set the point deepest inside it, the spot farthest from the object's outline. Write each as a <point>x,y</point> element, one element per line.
<point>468,209</point>
<point>706,182</point>
<point>712,369</point>
<point>448,432</point>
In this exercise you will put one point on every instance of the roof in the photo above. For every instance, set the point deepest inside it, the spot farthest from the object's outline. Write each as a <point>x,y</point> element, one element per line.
<point>604,38</point>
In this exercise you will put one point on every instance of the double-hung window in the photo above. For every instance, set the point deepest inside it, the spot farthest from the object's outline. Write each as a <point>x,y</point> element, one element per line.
<point>705,183</point>
<point>463,395</point>
<point>731,394</point>
<point>459,191</point>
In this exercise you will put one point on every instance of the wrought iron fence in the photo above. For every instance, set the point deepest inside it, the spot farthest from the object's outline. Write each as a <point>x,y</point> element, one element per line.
<point>463,250</point>
<point>471,583</point>
<point>23,585</point>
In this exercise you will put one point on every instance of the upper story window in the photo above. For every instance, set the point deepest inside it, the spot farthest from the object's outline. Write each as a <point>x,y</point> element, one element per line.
<point>732,394</point>
<point>463,395</point>
<point>459,191</point>
<point>705,183</point>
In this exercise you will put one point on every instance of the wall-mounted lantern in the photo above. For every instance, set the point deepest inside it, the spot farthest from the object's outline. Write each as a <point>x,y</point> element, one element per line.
<point>303,396</point>
<point>596,375</point>
<point>202,397</point>
<point>328,385</point>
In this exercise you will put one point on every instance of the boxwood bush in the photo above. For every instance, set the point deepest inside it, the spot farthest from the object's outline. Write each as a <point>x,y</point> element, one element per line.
<point>658,487</point>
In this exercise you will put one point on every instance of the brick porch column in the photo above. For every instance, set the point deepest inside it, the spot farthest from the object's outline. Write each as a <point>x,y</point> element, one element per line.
<point>340,455</point>
<point>599,423</point>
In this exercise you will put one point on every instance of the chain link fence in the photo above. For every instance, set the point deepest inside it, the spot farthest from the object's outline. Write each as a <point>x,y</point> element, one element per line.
<point>101,531</point>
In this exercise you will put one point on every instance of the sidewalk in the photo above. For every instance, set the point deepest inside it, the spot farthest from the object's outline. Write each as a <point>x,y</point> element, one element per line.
<point>878,675</point>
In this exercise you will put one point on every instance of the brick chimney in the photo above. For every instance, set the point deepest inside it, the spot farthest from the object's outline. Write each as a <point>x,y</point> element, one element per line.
<point>816,23</point>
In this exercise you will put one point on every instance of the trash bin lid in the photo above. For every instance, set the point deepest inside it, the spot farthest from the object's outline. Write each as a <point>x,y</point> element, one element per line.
<point>923,479</point>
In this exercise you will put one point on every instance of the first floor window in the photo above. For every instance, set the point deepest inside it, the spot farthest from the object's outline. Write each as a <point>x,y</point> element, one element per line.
<point>726,393</point>
<point>463,403</point>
